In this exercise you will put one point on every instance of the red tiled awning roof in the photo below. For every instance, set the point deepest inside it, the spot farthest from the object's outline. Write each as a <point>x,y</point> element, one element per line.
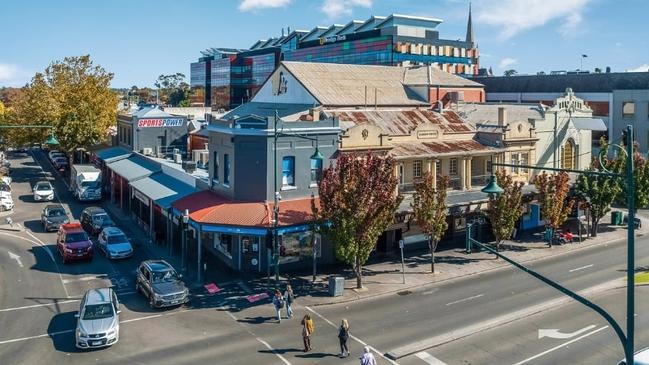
<point>210,208</point>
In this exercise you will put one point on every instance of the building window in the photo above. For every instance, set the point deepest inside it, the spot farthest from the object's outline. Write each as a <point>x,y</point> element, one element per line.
<point>628,109</point>
<point>452,168</point>
<point>316,170</point>
<point>400,171</point>
<point>514,158</point>
<point>523,158</point>
<point>568,155</point>
<point>223,244</point>
<point>520,159</point>
<point>288,171</point>
<point>438,167</point>
<point>215,177</point>
<point>226,169</point>
<point>489,166</point>
<point>416,168</point>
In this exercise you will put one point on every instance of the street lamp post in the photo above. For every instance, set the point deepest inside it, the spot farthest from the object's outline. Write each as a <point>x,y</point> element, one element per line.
<point>627,339</point>
<point>316,156</point>
<point>183,248</point>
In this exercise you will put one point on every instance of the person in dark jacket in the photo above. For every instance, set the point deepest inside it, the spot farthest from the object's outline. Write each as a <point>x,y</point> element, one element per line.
<point>288,298</point>
<point>343,336</point>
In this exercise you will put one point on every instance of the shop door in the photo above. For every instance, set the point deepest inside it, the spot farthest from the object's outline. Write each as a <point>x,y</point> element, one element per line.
<point>250,253</point>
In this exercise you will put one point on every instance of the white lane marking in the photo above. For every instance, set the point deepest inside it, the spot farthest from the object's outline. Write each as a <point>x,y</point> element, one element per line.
<point>13,256</point>
<point>86,278</point>
<point>51,334</point>
<point>555,333</point>
<point>273,351</point>
<point>39,305</point>
<point>465,299</point>
<point>352,336</point>
<point>581,268</point>
<point>560,346</point>
<point>429,359</point>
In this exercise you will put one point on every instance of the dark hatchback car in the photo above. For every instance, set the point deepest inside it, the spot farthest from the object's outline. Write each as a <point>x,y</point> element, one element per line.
<point>95,219</point>
<point>160,283</point>
<point>72,243</point>
<point>53,216</point>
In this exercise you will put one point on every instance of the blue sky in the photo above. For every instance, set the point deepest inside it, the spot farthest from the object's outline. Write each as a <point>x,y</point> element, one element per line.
<point>138,40</point>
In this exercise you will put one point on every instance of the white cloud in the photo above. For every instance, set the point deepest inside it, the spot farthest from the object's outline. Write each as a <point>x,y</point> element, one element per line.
<point>12,75</point>
<point>338,8</point>
<point>251,5</point>
<point>641,68</point>
<point>515,16</point>
<point>507,62</point>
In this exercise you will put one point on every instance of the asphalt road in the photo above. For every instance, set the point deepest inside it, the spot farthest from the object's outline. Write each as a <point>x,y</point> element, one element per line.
<point>38,301</point>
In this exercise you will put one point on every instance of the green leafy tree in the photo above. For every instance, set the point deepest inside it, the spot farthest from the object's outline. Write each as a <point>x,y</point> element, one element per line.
<point>358,199</point>
<point>505,209</point>
<point>640,177</point>
<point>600,190</point>
<point>173,89</point>
<point>2,110</point>
<point>429,210</point>
<point>553,197</point>
<point>73,96</point>
<point>511,72</point>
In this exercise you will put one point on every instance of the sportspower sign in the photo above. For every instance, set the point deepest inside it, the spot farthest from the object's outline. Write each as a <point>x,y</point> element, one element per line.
<point>160,122</point>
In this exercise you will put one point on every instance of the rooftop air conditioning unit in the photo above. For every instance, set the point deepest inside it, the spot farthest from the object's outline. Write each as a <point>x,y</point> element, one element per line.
<point>178,158</point>
<point>147,151</point>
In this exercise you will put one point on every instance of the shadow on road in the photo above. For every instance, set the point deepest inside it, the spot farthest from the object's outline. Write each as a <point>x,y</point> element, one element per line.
<point>63,342</point>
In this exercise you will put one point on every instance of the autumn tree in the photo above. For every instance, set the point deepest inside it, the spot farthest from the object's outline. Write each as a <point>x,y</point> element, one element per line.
<point>553,199</point>
<point>74,97</point>
<point>429,210</point>
<point>506,208</point>
<point>358,199</point>
<point>640,178</point>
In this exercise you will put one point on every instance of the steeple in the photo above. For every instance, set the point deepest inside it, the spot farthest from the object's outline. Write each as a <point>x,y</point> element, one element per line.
<point>470,37</point>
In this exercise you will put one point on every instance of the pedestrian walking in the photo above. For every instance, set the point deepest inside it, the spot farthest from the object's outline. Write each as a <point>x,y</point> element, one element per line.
<point>307,331</point>
<point>278,303</point>
<point>367,358</point>
<point>343,336</point>
<point>288,298</point>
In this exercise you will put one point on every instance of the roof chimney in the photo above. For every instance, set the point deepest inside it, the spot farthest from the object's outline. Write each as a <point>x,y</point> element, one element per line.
<point>502,116</point>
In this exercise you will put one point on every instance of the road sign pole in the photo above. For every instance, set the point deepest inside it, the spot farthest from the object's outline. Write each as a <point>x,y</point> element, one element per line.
<point>403,264</point>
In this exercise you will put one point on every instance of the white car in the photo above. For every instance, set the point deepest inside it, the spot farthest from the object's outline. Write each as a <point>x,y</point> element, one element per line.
<point>43,191</point>
<point>6,180</point>
<point>98,319</point>
<point>6,203</point>
<point>639,358</point>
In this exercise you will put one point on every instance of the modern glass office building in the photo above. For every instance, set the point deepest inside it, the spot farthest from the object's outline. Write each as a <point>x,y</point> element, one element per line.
<point>226,78</point>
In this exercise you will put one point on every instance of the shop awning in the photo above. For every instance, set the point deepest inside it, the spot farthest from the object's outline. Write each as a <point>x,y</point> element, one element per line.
<point>592,124</point>
<point>163,189</point>
<point>134,168</point>
<point>113,154</point>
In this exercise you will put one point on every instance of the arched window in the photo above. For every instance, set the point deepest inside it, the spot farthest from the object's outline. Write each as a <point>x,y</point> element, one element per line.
<point>568,155</point>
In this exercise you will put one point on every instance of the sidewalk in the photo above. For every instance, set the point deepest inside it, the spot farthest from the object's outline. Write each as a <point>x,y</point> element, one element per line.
<point>386,277</point>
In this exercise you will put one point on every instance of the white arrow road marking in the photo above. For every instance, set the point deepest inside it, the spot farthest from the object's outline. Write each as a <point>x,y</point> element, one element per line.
<point>429,359</point>
<point>560,346</point>
<point>13,256</point>
<point>555,333</point>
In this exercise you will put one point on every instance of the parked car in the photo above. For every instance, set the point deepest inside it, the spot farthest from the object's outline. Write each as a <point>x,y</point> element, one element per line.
<point>4,187</point>
<point>6,203</point>
<point>98,319</point>
<point>114,244</point>
<point>94,219</point>
<point>43,191</point>
<point>53,216</point>
<point>55,153</point>
<point>160,284</point>
<point>6,180</point>
<point>639,358</point>
<point>73,243</point>
<point>60,163</point>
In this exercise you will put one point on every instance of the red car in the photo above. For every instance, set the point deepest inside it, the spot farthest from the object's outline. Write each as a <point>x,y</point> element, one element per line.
<point>73,243</point>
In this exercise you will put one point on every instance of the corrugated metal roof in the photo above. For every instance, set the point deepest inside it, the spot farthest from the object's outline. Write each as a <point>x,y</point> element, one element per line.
<point>401,121</point>
<point>113,154</point>
<point>352,85</point>
<point>163,189</point>
<point>433,76</point>
<point>488,113</point>
<point>152,112</point>
<point>134,168</point>
<point>592,124</point>
<point>602,82</point>
<point>439,148</point>
<point>265,110</point>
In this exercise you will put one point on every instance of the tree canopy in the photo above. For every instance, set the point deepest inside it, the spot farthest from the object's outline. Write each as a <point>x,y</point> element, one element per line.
<point>505,209</point>
<point>429,210</point>
<point>173,89</point>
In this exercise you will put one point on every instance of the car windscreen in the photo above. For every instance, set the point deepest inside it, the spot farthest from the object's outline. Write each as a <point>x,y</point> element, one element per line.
<point>118,238</point>
<point>42,187</point>
<point>90,184</point>
<point>101,218</point>
<point>56,213</point>
<point>98,311</point>
<point>167,276</point>
<point>76,237</point>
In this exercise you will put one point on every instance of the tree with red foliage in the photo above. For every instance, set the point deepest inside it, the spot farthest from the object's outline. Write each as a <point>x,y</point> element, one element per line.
<point>429,210</point>
<point>553,198</point>
<point>358,199</point>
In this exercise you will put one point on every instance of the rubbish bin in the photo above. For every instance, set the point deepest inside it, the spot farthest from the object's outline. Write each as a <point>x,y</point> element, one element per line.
<point>336,286</point>
<point>616,218</point>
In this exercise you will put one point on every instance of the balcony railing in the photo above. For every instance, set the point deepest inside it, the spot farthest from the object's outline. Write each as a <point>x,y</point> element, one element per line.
<point>479,180</point>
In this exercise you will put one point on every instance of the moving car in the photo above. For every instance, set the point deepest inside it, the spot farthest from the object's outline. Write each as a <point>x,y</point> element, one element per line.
<point>112,242</point>
<point>6,203</point>
<point>55,153</point>
<point>43,191</point>
<point>639,358</point>
<point>94,219</point>
<point>160,284</point>
<point>60,163</point>
<point>72,243</point>
<point>53,216</point>
<point>98,319</point>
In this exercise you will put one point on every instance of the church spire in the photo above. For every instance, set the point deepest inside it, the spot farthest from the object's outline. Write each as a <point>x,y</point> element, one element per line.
<point>470,37</point>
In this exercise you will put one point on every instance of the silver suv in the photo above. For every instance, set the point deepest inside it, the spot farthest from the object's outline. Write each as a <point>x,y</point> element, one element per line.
<point>160,283</point>
<point>98,319</point>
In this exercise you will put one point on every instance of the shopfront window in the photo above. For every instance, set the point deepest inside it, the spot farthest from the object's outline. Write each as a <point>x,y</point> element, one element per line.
<point>297,246</point>
<point>223,243</point>
<point>249,244</point>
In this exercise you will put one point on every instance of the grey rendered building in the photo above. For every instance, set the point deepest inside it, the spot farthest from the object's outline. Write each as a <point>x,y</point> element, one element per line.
<point>152,131</point>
